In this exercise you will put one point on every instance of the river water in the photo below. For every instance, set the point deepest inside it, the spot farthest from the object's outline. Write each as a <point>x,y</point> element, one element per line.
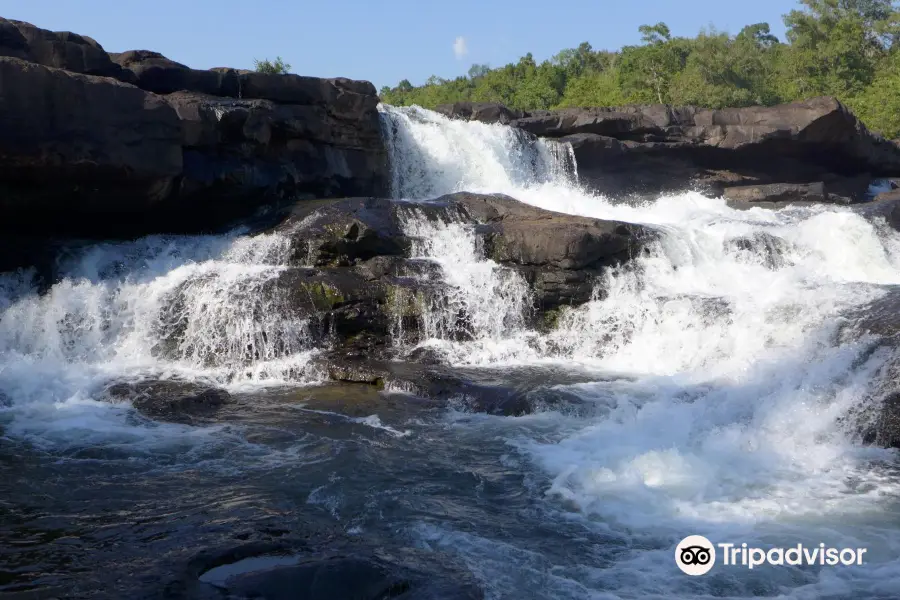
<point>704,393</point>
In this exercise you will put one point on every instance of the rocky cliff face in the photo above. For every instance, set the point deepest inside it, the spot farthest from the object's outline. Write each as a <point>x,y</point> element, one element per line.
<point>123,144</point>
<point>648,150</point>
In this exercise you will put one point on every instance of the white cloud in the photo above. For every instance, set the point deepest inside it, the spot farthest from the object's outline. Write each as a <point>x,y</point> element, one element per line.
<point>460,48</point>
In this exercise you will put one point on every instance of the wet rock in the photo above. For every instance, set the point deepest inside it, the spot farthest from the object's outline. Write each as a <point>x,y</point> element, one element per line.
<point>426,355</point>
<point>345,232</point>
<point>885,206</point>
<point>559,255</point>
<point>880,317</point>
<point>563,242</point>
<point>322,568</point>
<point>358,370</point>
<point>179,401</point>
<point>887,426</point>
<point>878,420</point>
<point>760,247</point>
<point>509,392</point>
<point>486,112</point>
<point>752,195</point>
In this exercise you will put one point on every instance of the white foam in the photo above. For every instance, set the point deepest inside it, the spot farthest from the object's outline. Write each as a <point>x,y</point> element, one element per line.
<point>727,418</point>
<point>188,307</point>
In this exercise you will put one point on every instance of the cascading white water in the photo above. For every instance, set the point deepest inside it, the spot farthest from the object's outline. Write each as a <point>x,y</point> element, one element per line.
<point>724,417</point>
<point>481,300</point>
<point>721,380</point>
<point>432,155</point>
<point>189,308</point>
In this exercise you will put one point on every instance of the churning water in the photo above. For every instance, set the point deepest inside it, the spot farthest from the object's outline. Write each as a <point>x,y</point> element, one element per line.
<point>714,378</point>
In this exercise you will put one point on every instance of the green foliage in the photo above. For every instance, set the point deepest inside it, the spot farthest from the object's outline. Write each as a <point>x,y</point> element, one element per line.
<point>879,104</point>
<point>276,67</point>
<point>844,48</point>
<point>594,89</point>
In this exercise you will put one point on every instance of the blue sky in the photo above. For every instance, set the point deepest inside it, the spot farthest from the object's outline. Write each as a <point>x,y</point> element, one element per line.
<point>379,40</point>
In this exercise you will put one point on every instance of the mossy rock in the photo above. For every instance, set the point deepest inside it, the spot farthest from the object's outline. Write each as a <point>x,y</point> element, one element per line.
<point>322,295</point>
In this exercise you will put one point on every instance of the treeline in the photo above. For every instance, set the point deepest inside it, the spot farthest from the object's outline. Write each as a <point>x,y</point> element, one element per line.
<point>843,48</point>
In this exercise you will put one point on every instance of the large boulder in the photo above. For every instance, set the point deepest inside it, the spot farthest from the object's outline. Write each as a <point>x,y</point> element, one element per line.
<point>77,148</point>
<point>559,255</point>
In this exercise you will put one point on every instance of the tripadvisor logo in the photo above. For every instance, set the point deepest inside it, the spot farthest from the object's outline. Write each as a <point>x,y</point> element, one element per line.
<point>696,555</point>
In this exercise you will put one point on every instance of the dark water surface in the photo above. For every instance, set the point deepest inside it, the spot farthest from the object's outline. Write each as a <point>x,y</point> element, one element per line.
<point>339,467</point>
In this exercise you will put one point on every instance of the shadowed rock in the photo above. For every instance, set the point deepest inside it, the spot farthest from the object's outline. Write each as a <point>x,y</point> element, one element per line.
<point>83,154</point>
<point>62,50</point>
<point>178,401</point>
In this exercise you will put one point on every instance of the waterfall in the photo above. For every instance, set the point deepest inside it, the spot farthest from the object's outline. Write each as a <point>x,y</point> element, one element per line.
<point>732,382</point>
<point>432,155</point>
<point>719,375</point>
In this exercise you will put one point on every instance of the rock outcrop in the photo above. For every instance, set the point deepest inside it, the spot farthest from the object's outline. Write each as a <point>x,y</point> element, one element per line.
<point>62,50</point>
<point>559,255</point>
<point>78,146</point>
<point>354,272</point>
<point>647,150</point>
<point>134,143</point>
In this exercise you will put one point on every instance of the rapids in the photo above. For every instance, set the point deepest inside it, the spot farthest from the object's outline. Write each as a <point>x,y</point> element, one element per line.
<point>715,375</point>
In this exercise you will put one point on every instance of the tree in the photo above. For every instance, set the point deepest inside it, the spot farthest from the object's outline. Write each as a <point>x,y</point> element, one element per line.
<point>758,34</point>
<point>594,89</point>
<point>646,71</point>
<point>835,45</point>
<point>655,34</point>
<point>878,106</point>
<point>845,48</point>
<point>278,67</point>
<point>476,71</point>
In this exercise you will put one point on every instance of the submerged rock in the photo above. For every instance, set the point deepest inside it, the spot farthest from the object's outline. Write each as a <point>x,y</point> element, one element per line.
<point>322,569</point>
<point>761,247</point>
<point>169,400</point>
<point>513,391</point>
